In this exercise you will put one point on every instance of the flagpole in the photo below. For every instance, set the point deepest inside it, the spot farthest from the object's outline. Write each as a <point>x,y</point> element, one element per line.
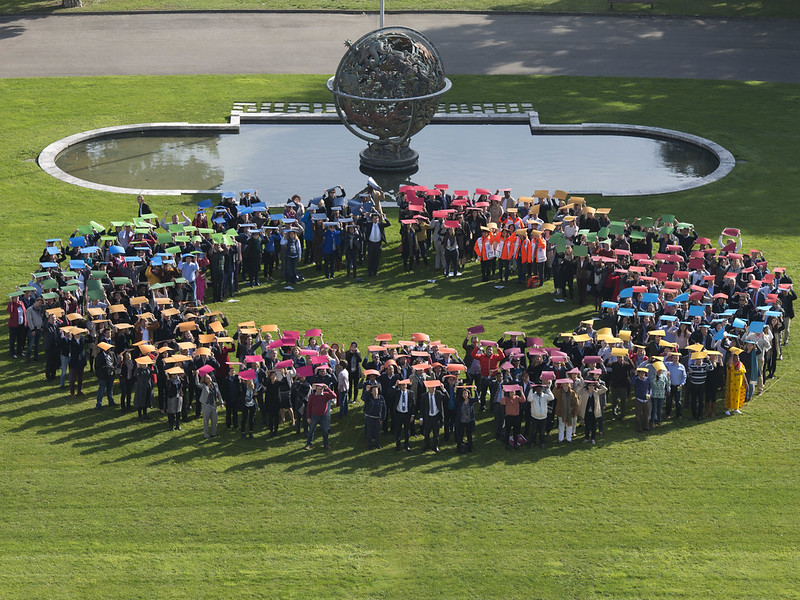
<point>382,1</point>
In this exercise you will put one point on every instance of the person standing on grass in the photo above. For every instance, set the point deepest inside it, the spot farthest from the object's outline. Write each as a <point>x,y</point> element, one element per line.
<point>404,407</point>
<point>539,397</point>
<point>699,369</point>
<point>342,386</point>
<point>714,383</point>
<point>374,415</point>
<point>659,384</point>
<point>677,379</point>
<point>465,417</point>
<point>292,249</point>
<point>641,394</point>
<point>567,408</point>
<point>319,413</point>
<point>210,398</point>
<point>589,394</point>
<point>247,400</point>
<point>510,401</point>
<point>735,383</point>
<point>105,362</point>
<point>143,388</point>
<point>174,397</point>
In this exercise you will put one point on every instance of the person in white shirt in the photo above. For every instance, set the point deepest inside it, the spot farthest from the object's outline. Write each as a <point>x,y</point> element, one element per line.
<point>342,387</point>
<point>538,398</point>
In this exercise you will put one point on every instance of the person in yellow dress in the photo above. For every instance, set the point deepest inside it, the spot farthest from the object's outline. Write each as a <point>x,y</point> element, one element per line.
<point>735,385</point>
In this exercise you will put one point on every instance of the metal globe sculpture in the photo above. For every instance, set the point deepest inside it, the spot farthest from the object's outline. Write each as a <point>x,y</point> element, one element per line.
<point>386,89</point>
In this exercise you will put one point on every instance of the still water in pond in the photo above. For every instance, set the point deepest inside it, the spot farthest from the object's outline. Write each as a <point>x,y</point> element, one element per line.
<point>279,160</point>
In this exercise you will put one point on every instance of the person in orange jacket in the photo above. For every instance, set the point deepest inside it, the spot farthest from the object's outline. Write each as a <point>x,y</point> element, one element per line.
<point>485,251</point>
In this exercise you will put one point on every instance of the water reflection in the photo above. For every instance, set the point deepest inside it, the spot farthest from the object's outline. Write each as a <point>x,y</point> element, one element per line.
<point>280,160</point>
<point>163,162</point>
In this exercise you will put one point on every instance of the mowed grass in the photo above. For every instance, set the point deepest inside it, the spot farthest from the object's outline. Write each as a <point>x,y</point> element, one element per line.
<point>96,505</point>
<point>712,8</point>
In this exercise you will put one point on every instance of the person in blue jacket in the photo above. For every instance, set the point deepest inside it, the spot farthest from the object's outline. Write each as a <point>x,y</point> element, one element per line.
<point>330,248</point>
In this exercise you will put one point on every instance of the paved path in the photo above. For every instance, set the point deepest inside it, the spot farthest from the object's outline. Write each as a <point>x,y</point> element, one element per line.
<point>195,43</point>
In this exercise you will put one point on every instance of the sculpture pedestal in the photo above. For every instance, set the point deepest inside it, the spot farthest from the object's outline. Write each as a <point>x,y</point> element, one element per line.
<point>386,158</point>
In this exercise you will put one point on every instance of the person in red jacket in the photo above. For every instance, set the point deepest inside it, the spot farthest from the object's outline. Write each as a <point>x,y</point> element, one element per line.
<point>17,326</point>
<point>489,361</point>
<point>318,410</point>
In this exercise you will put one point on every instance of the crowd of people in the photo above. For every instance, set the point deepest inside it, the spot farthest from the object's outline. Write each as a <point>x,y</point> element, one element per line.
<point>680,321</point>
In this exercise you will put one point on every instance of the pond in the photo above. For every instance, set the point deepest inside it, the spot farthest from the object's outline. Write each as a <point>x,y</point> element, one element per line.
<point>282,159</point>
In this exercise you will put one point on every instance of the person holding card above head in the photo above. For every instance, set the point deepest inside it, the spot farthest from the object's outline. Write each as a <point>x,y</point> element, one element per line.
<point>431,409</point>
<point>374,414</point>
<point>210,398</point>
<point>539,398</point>
<point>510,401</point>
<point>247,401</point>
<point>589,394</point>
<point>318,412</point>
<point>404,407</point>
<point>291,246</point>
<point>376,237</point>
<point>735,383</point>
<point>174,397</point>
<point>485,251</point>
<point>567,408</point>
<point>465,417</point>
<point>641,393</point>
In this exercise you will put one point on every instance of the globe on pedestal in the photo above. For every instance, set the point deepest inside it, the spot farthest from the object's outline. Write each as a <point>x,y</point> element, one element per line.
<point>386,89</point>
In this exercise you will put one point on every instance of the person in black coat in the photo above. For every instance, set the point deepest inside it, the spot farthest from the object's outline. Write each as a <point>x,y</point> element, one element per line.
<point>404,408</point>
<point>374,416</point>
<point>352,244</point>
<point>465,417</point>
<point>144,208</point>
<point>375,237</point>
<point>272,402</point>
<point>301,389</point>
<point>431,409</point>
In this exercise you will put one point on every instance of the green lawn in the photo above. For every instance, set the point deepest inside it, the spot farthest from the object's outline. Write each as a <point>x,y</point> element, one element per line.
<point>96,505</point>
<point>713,8</point>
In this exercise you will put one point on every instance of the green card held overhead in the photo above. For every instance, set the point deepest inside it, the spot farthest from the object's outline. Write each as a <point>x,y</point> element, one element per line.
<point>96,294</point>
<point>667,219</point>
<point>615,229</point>
<point>164,237</point>
<point>173,250</point>
<point>603,233</point>
<point>646,222</point>
<point>580,251</point>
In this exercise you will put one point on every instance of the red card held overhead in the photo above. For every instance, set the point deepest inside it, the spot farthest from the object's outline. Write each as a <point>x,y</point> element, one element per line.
<point>475,329</point>
<point>313,332</point>
<point>306,371</point>
<point>319,360</point>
